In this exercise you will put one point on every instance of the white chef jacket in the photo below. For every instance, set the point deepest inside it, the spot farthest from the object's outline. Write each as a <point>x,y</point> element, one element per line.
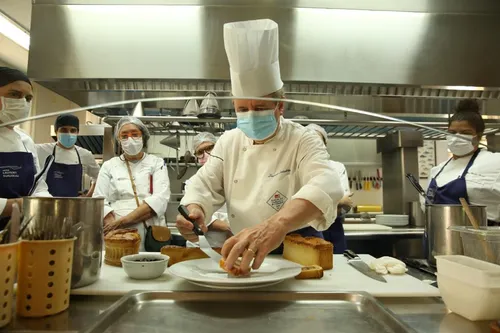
<point>17,140</point>
<point>482,180</point>
<point>220,214</point>
<point>256,181</point>
<point>115,186</point>
<point>69,157</point>
<point>342,172</point>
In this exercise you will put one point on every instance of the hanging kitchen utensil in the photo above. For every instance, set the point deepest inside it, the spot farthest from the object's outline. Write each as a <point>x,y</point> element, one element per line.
<point>209,107</point>
<point>138,110</point>
<point>191,108</point>
<point>417,186</point>
<point>172,141</point>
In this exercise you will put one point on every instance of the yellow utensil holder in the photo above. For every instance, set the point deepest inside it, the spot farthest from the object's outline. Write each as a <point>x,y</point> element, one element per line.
<point>8,261</point>
<point>44,279</point>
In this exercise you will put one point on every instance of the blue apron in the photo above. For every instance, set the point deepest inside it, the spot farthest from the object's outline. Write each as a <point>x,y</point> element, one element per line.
<point>304,232</point>
<point>17,177</point>
<point>335,235</point>
<point>450,193</point>
<point>64,180</point>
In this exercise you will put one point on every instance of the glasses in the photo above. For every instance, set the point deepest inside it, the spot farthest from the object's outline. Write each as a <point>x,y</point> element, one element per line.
<point>134,134</point>
<point>200,152</point>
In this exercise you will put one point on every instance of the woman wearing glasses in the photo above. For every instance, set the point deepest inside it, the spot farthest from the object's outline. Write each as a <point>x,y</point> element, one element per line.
<point>218,228</point>
<point>135,184</point>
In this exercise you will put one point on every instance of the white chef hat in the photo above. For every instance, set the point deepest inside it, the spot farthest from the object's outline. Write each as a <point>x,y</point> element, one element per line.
<point>252,48</point>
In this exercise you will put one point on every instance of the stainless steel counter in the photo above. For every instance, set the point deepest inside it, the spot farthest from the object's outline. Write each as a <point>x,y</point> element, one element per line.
<point>409,232</point>
<point>425,315</point>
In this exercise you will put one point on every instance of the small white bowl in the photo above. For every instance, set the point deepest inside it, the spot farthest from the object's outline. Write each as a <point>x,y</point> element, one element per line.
<point>145,270</point>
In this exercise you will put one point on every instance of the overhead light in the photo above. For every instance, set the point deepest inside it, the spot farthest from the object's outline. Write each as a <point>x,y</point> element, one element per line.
<point>467,88</point>
<point>10,30</point>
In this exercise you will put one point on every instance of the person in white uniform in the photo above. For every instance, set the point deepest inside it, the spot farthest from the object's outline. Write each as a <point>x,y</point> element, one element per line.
<point>335,233</point>
<point>273,174</point>
<point>471,173</point>
<point>65,161</point>
<point>218,227</point>
<point>18,159</point>
<point>135,185</point>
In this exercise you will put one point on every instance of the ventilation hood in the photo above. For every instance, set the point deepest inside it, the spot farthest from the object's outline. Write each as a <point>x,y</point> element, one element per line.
<point>104,51</point>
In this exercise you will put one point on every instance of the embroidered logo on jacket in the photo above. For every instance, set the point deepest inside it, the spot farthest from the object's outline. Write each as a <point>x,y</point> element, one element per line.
<point>277,200</point>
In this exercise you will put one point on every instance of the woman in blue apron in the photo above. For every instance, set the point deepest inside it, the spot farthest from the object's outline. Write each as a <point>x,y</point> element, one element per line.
<point>65,180</point>
<point>471,173</point>
<point>18,159</point>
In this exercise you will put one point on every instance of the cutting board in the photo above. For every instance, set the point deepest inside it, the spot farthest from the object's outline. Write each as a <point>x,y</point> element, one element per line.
<point>365,227</point>
<point>342,277</point>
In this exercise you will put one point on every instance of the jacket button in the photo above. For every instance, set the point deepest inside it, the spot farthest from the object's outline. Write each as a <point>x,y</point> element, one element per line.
<point>274,149</point>
<point>236,181</point>
<point>232,215</point>
<point>244,149</point>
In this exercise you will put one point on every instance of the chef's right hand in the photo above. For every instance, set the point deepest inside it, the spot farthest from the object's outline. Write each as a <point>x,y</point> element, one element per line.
<point>186,228</point>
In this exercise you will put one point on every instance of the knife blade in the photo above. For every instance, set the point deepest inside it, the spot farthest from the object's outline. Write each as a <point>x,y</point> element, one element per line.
<point>202,241</point>
<point>355,261</point>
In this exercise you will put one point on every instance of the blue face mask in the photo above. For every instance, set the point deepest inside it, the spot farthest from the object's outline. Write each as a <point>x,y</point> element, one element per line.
<point>66,139</point>
<point>257,125</point>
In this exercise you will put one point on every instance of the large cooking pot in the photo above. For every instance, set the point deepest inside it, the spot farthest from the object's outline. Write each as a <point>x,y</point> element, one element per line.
<point>441,241</point>
<point>87,257</point>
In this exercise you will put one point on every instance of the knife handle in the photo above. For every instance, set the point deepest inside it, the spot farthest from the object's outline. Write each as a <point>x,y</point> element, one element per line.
<point>185,213</point>
<point>350,254</point>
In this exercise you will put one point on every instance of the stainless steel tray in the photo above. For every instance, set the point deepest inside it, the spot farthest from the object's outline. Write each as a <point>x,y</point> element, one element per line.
<point>216,312</point>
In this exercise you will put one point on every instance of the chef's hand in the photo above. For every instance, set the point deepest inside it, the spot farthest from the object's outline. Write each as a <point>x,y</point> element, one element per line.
<point>254,243</point>
<point>186,228</point>
<point>109,222</point>
<point>347,200</point>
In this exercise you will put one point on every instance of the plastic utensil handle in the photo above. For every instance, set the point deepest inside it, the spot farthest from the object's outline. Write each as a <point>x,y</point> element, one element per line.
<point>350,254</point>
<point>185,213</point>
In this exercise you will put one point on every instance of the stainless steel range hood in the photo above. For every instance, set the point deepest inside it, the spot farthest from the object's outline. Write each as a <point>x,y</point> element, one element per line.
<point>92,51</point>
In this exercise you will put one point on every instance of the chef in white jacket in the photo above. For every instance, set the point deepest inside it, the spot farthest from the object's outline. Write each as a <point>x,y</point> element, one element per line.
<point>18,159</point>
<point>273,174</point>
<point>471,173</point>
<point>218,227</point>
<point>122,208</point>
<point>335,233</point>
<point>65,161</point>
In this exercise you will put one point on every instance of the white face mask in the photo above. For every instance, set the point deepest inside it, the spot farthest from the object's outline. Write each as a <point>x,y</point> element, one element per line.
<point>14,109</point>
<point>132,146</point>
<point>459,146</point>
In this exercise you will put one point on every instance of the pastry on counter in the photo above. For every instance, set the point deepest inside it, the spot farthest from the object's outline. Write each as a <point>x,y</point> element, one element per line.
<point>179,253</point>
<point>119,243</point>
<point>235,271</point>
<point>308,251</point>
<point>310,272</point>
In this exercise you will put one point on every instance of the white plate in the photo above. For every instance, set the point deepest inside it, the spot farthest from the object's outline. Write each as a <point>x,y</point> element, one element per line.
<point>226,287</point>
<point>208,272</point>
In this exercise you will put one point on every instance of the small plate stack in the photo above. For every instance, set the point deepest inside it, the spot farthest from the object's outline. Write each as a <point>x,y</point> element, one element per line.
<point>392,220</point>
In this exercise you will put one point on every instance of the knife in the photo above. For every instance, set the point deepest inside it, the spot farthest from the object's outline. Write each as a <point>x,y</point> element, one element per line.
<point>204,244</point>
<point>355,261</point>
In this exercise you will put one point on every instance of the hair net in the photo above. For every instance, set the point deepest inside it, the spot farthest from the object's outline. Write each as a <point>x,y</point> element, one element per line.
<point>319,129</point>
<point>203,137</point>
<point>10,75</point>
<point>137,122</point>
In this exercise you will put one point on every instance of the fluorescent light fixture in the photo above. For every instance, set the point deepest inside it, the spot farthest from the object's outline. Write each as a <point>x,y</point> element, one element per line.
<point>10,30</point>
<point>467,88</point>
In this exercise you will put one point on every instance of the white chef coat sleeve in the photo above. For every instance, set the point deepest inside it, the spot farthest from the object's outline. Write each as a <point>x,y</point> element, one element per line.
<point>89,163</point>
<point>206,187</point>
<point>344,180</point>
<point>103,186</point>
<point>216,216</point>
<point>320,181</point>
<point>158,201</point>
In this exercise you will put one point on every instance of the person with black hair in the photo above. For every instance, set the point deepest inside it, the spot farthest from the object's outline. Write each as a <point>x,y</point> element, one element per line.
<point>471,173</point>
<point>18,158</point>
<point>67,161</point>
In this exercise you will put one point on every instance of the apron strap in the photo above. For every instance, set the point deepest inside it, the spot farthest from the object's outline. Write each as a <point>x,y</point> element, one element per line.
<point>469,165</point>
<point>76,150</point>
<point>134,188</point>
<point>444,166</point>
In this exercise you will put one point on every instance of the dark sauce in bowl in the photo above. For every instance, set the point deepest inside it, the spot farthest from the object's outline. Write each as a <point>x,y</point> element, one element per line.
<point>147,260</point>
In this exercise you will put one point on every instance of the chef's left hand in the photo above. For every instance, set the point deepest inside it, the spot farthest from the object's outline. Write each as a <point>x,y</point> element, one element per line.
<point>110,226</point>
<point>254,243</point>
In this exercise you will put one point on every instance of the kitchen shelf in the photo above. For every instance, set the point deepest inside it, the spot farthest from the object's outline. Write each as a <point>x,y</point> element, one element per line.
<point>370,129</point>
